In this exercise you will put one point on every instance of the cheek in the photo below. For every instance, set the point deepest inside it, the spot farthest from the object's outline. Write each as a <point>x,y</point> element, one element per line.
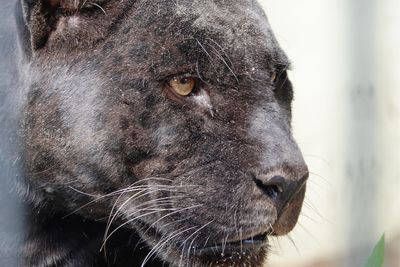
<point>165,137</point>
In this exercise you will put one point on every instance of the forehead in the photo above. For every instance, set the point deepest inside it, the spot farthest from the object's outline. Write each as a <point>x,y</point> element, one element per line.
<point>237,26</point>
<point>220,15</point>
<point>228,19</point>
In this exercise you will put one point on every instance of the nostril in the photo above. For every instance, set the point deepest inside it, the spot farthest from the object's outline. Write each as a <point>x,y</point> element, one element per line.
<point>273,187</point>
<point>273,191</point>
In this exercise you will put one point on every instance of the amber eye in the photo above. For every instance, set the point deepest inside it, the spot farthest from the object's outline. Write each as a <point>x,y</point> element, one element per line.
<point>273,77</point>
<point>183,86</point>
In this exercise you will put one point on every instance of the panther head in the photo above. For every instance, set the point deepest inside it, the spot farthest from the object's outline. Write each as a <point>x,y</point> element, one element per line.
<point>170,118</point>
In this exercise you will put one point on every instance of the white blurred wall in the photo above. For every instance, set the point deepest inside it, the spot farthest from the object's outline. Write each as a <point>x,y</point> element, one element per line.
<point>346,75</point>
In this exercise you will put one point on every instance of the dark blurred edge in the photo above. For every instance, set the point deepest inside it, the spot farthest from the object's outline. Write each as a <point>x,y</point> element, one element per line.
<point>11,225</point>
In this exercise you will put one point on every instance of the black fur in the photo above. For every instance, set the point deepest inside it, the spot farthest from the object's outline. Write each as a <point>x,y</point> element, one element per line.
<point>115,169</point>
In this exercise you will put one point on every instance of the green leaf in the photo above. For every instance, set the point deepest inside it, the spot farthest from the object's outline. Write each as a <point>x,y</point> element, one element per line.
<point>377,256</point>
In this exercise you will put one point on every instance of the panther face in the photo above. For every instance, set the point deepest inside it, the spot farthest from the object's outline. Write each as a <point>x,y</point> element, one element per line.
<point>169,118</point>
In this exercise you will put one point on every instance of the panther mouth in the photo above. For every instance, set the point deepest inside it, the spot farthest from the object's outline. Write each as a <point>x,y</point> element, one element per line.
<point>252,243</point>
<point>248,249</point>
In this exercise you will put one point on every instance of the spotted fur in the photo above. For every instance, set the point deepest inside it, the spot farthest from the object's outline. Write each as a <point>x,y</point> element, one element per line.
<point>116,169</point>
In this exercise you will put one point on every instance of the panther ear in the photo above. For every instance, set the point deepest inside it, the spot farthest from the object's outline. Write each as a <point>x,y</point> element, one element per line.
<point>40,17</point>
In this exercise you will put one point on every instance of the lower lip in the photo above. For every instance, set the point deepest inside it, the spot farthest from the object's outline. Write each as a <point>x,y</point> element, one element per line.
<point>254,243</point>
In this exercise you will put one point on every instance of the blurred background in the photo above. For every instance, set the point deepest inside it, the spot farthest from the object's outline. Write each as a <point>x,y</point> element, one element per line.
<point>346,74</point>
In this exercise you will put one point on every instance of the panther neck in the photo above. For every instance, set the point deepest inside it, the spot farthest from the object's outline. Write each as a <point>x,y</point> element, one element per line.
<point>74,241</point>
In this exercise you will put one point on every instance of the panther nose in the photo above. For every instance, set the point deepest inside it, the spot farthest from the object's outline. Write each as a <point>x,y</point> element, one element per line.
<point>273,187</point>
<point>280,189</point>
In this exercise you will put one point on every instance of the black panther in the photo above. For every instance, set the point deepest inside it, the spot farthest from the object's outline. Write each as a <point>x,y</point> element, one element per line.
<point>150,133</point>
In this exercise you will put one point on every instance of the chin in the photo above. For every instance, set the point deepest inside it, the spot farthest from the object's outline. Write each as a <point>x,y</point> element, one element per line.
<point>250,252</point>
